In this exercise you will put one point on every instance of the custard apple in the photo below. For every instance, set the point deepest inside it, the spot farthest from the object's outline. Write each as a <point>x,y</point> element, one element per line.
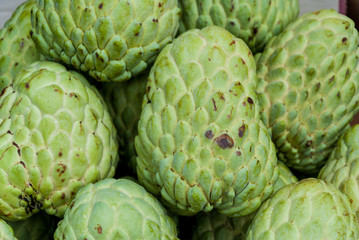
<point>201,144</point>
<point>308,87</point>
<point>56,135</point>
<point>17,49</point>
<point>6,232</point>
<point>115,209</point>
<point>255,22</point>
<point>214,226</point>
<point>113,40</point>
<point>308,209</point>
<point>342,168</point>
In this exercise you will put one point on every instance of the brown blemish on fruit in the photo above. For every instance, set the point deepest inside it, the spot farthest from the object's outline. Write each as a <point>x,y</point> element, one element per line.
<point>64,167</point>
<point>159,5</point>
<point>224,141</point>
<point>23,164</point>
<point>9,132</point>
<point>238,153</point>
<point>255,30</point>
<point>241,131</point>
<point>63,195</point>
<point>233,42</point>
<point>99,229</point>
<point>209,134</point>
<point>155,20</point>
<point>317,86</point>
<point>60,154</point>
<point>3,91</point>
<point>100,6</point>
<point>232,23</point>
<point>309,143</point>
<point>331,79</point>
<point>214,104</point>
<point>250,100</point>
<point>338,94</point>
<point>27,85</point>
<point>344,40</point>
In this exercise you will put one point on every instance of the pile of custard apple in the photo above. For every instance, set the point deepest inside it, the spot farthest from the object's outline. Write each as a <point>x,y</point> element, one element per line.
<point>178,119</point>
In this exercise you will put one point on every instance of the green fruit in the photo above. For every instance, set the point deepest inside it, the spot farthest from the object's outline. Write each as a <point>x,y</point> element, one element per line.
<point>309,209</point>
<point>124,101</point>
<point>39,226</point>
<point>308,87</point>
<point>112,40</point>
<point>17,49</point>
<point>255,22</point>
<point>201,144</point>
<point>56,135</point>
<point>214,226</point>
<point>341,169</point>
<point>115,209</point>
<point>6,231</point>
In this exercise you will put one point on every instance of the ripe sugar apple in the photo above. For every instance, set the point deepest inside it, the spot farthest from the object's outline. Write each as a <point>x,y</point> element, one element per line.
<point>56,135</point>
<point>255,22</point>
<point>201,144</point>
<point>115,209</point>
<point>308,87</point>
<point>17,49</point>
<point>113,40</point>
<point>214,226</point>
<point>6,232</point>
<point>308,209</point>
<point>124,101</point>
<point>342,168</point>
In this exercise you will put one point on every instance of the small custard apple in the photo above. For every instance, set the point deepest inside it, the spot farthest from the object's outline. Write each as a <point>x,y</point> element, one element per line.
<point>215,226</point>
<point>113,40</point>
<point>39,226</point>
<point>308,209</point>
<point>17,49</point>
<point>342,167</point>
<point>56,135</point>
<point>124,101</point>
<point>308,79</point>
<point>255,22</point>
<point>201,144</point>
<point>6,232</point>
<point>115,209</point>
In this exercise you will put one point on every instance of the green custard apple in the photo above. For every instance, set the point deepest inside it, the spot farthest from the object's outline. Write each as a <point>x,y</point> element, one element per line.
<point>17,49</point>
<point>255,22</point>
<point>308,209</point>
<point>115,209</point>
<point>6,232</point>
<point>201,144</point>
<point>56,135</point>
<point>342,168</point>
<point>308,81</point>
<point>113,40</point>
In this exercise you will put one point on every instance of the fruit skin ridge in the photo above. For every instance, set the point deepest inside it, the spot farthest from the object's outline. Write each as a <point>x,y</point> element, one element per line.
<point>201,144</point>
<point>308,87</point>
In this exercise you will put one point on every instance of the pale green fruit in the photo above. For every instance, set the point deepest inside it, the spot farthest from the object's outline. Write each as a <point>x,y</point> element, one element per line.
<point>308,209</point>
<point>56,135</point>
<point>308,87</point>
<point>6,232</point>
<point>255,22</point>
<point>124,101</point>
<point>17,49</point>
<point>214,226</point>
<point>113,40</point>
<point>342,168</point>
<point>201,144</point>
<point>115,209</point>
<point>40,226</point>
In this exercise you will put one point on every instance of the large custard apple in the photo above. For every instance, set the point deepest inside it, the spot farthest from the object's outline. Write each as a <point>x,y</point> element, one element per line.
<point>113,40</point>
<point>308,82</point>
<point>6,232</point>
<point>124,101</point>
<point>308,209</point>
<point>255,22</point>
<point>342,167</point>
<point>56,135</point>
<point>115,209</point>
<point>201,144</point>
<point>215,226</point>
<point>17,49</point>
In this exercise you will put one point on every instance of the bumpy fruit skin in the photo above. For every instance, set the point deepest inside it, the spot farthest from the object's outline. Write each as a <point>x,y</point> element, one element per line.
<point>342,169</point>
<point>308,209</point>
<point>56,135</point>
<point>17,49</point>
<point>214,226</point>
<point>115,209</point>
<point>6,231</point>
<point>201,144</point>
<point>37,227</point>
<point>124,101</point>
<point>255,22</point>
<point>113,40</point>
<point>308,87</point>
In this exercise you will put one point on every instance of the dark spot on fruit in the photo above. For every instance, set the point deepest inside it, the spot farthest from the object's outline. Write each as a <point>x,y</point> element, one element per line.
<point>249,53</point>
<point>309,143</point>
<point>31,33</point>
<point>209,59</point>
<point>338,94</point>
<point>244,63</point>
<point>221,96</point>
<point>100,6</point>
<point>23,164</point>
<point>137,33</point>
<point>99,229</point>
<point>3,91</point>
<point>224,141</point>
<point>159,4</point>
<point>15,144</point>
<point>209,134</point>
<point>344,40</point>
<point>347,74</point>
<point>172,170</point>
<point>241,131</point>
<point>182,178</point>
<point>331,79</point>
<point>155,20</point>
<point>255,30</point>
<point>250,100</point>
<point>85,9</point>
<point>244,104</point>
<point>27,85</point>
<point>10,29</point>
<point>214,104</point>
<point>149,101</point>
<point>72,204</point>
<point>60,154</point>
<point>317,86</point>
<point>232,23</point>
<point>270,2</point>
<point>63,195</point>
<point>238,153</point>
<point>63,170</point>
<point>22,44</point>
<point>9,132</point>
<point>233,42</point>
